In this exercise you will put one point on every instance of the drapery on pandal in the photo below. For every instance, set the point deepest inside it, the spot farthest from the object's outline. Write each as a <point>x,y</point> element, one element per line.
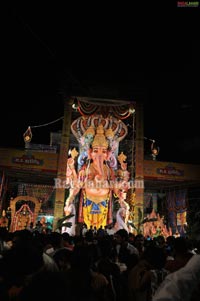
<point>97,172</point>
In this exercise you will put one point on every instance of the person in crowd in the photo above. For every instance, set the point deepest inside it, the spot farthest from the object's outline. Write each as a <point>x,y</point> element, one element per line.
<point>146,276</point>
<point>182,284</point>
<point>181,255</point>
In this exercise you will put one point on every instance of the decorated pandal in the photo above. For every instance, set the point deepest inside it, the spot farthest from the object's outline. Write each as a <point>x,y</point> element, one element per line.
<point>22,218</point>
<point>98,178</point>
<point>22,213</point>
<point>97,173</point>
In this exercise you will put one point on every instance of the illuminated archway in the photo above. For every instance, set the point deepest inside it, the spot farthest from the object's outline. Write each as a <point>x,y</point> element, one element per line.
<point>24,200</point>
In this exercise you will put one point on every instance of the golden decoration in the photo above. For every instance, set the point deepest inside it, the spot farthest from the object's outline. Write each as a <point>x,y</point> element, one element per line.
<point>100,139</point>
<point>133,196</point>
<point>121,158</point>
<point>109,133</point>
<point>74,153</point>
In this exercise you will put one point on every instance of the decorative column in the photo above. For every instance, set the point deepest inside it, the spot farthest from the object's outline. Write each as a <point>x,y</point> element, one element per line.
<point>139,169</point>
<point>62,162</point>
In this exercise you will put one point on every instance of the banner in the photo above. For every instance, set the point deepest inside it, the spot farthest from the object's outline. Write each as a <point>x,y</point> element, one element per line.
<point>177,208</point>
<point>171,171</point>
<point>28,160</point>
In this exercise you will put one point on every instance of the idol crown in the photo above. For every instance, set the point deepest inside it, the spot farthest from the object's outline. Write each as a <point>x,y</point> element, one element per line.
<point>90,131</point>
<point>100,139</point>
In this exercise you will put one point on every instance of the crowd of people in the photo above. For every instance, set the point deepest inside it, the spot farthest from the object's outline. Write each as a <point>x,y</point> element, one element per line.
<point>97,266</point>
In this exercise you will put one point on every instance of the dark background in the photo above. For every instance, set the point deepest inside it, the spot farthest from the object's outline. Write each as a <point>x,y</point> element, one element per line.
<point>150,52</point>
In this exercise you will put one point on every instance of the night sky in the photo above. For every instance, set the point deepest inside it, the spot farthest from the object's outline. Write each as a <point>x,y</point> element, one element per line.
<point>45,48</point>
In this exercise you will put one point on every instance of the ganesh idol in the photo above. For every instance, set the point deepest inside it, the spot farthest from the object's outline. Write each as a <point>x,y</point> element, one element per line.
<point>96,179</point>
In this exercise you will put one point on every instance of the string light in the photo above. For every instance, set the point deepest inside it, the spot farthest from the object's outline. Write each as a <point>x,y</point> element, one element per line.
<point>28,133</point>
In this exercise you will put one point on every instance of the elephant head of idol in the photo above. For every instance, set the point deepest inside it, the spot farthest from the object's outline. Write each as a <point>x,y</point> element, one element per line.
<point>99,152</point>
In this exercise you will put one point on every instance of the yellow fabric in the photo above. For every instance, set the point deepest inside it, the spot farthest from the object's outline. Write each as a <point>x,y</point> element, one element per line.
<point>97,198</point>
<point>97,219</point>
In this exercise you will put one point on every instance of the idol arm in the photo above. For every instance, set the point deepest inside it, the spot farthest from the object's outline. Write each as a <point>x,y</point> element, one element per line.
<point>72,181</point>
